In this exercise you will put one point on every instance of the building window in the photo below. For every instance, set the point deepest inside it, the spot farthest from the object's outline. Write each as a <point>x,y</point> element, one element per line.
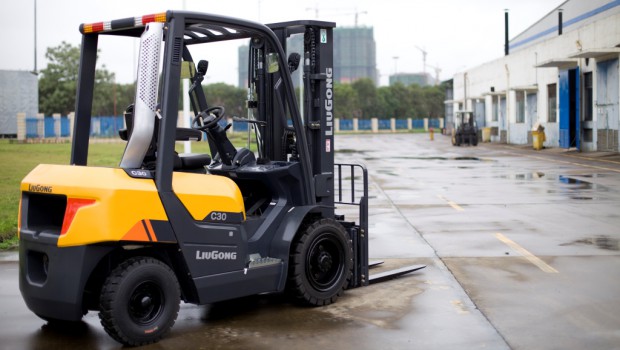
<point>495,107</point>
<point>552,103</point>
<point>587,103</point>
<point>520,106</point>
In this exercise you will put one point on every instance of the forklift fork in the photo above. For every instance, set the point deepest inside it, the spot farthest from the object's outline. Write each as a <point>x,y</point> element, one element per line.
<point>348,194</point>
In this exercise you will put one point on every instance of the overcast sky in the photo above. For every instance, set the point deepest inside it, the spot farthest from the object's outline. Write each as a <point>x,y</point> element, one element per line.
<point>456,34</point>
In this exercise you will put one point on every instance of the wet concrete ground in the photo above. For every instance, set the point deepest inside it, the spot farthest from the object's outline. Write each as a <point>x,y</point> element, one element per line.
<point>522,249</point>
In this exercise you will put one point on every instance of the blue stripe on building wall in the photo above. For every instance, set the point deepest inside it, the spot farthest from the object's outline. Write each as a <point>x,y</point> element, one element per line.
<point>567,23</point>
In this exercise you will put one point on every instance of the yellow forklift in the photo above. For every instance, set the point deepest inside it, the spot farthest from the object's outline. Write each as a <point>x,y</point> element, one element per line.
<point>133,241</point>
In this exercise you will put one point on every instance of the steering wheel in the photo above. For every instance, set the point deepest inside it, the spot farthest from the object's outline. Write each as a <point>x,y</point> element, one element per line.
<point>208,118</point>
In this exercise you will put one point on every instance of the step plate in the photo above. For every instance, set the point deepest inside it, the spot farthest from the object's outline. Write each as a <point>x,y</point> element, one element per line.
<point>260,262</point>
<point>384,276</point>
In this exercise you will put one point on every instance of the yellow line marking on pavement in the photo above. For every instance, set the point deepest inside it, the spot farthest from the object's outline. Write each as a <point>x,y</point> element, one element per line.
<point>451,203</point>
<point>592,159</point>
<point>529,256</point>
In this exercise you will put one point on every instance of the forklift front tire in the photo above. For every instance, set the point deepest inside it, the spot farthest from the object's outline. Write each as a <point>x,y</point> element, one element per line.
<point>321,263</point>
<point>139,301</point>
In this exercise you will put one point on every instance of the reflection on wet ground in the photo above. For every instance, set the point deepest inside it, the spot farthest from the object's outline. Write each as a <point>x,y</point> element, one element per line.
<point>602,242</point>
<point>475,159</point>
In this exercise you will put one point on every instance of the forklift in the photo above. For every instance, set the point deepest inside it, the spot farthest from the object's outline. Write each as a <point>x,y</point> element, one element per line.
<point>465,130</point>
<point>133,241</point>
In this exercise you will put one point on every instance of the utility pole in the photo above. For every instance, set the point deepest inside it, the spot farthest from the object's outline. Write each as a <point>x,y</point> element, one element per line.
<point>187,145</point>
<point>35,71</point>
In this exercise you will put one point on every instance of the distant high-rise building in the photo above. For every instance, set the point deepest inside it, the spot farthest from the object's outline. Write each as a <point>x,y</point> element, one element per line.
<point>355,55</point>
<point>422,79</point>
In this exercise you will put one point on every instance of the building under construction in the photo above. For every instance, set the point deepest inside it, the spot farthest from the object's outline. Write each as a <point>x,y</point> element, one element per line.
<point>355,54</point>
<point>421,79</point>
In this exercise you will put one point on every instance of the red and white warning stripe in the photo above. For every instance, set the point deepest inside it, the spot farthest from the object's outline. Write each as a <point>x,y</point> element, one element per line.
<point>131,22</point>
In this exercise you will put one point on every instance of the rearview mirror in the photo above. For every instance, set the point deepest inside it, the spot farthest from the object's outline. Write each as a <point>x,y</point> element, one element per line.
<point>272,63</point>
<point>188,70</point>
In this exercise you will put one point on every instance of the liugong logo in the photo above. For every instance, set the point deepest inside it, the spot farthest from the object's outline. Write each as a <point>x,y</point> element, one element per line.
<point>216,255</point>
<point>40,188</point>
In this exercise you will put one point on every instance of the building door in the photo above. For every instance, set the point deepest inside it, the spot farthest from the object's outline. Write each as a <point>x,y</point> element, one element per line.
<point>503,121</point>
<point>607,106</point>
<point>480,113</point>
<point>569,108</point>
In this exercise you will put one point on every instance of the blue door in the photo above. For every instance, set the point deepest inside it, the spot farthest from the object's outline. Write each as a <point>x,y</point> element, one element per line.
<point>570,128</point>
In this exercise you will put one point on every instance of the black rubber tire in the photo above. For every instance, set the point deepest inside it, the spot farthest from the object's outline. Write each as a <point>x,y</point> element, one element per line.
<point>474,140</point>
<point>320,263</point>
<point>139,301</point>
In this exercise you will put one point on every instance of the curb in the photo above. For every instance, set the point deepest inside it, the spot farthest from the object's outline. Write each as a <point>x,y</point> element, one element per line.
<point>11,256</point>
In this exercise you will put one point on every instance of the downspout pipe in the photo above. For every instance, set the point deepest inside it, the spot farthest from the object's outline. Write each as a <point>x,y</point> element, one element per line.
<point>506,45</point>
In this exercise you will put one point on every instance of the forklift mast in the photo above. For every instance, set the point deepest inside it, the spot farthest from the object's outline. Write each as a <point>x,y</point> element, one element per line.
<point>317,63</point>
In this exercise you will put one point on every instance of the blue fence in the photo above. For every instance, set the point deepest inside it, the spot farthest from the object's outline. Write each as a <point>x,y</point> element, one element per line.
<point>385,124</point>
<point>346,124</point>
<point>108,126</point>
<point>48,127</point>
<point>364,124</point>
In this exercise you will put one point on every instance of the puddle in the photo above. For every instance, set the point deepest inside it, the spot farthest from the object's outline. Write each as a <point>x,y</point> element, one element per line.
<point>601,242</point>
<point>575,184</point>
<point>475,159</point>
<point>349,150</point>
<point>524,176</point>
<point>386,172</point>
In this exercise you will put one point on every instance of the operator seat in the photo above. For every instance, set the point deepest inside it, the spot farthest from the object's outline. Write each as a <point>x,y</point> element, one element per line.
<point>190,162</point>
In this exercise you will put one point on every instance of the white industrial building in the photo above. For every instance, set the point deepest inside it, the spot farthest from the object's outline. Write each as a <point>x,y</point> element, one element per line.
<point>562,72</point>
<point>19,93</point>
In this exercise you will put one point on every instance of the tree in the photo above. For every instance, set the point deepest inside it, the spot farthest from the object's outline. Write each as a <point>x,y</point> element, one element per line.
<point>434,97</point>
<point>228,96</point>
<point>367,97</point>
<point>346,103</point>
<point>58,83</point>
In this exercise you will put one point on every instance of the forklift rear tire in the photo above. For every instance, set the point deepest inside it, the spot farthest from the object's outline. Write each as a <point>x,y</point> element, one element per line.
<point>320,263</point>
<point>139,301</point>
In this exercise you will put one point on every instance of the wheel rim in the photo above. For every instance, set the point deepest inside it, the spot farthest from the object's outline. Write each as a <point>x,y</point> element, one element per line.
<point>324,262</point>
<point>146,303</point>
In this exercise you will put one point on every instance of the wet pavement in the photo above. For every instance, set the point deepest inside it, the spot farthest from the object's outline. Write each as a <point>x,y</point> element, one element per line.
<point>522,249</point>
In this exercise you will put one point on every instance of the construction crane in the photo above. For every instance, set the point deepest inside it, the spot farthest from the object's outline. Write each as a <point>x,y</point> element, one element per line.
<point>357,13</point>
<point>437,72</point>
<point>348,13</point>
<point>424,53</point>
